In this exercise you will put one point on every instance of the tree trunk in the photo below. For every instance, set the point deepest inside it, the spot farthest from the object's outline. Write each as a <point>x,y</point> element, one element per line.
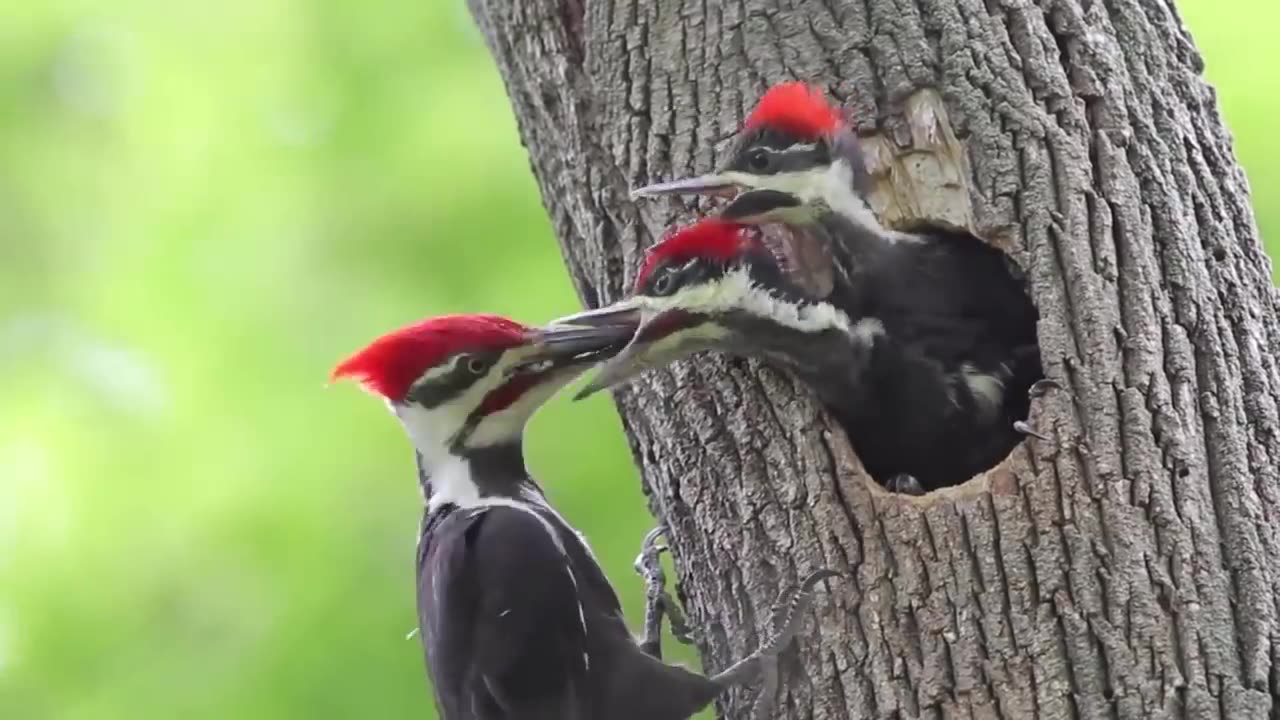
<point>1128,568</point>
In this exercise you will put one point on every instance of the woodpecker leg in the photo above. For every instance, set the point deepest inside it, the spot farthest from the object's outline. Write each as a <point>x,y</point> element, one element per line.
<point>658,602</point>
<point>1022,427</point>
<point>905,484</point>
<point>789,613</point>
<point>1037,390</point>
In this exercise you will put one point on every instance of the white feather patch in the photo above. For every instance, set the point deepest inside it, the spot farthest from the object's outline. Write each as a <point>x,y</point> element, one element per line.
<point>867,330</point>
<point>737,291</point>
<point>987,389</point>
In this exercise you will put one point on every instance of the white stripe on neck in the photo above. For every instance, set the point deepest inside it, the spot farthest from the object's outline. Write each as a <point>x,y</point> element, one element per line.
<point>452,484</point>
<point>737,290</point>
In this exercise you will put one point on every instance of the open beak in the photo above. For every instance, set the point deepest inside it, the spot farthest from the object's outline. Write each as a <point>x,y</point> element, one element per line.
<point>648,332</point>
<point>725,184</point>
<point>623,315</point>
<point>749,204</point>
<point>756,207</point>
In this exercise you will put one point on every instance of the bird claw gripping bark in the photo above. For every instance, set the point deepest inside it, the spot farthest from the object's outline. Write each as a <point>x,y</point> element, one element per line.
<point>658,602</point>
<point>1022,427</point>
<point>788,615</point>
<point>905,484</point>
<point>1037,390</point>
<point>1041,387</point>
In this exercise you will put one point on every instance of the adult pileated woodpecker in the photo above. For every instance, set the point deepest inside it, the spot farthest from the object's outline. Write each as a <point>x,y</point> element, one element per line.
<point>922,342</point>
<point>518,620</point>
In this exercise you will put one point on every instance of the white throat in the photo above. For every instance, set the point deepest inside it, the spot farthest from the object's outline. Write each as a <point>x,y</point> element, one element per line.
<point>429,433</point>
<point>449,472</point>
<point>451,483</point>
<point>835,189</point>
<point>433,433</point>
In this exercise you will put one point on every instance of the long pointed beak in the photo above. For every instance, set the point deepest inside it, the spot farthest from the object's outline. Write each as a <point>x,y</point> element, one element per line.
<point>646,350</point>
<point>756,207</point>
<point>560,345</point>
<point>712,184</point>
<point>623,315</point>
<point>617,370</point>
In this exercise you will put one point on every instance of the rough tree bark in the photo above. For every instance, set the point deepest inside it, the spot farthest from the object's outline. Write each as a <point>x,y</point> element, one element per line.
<point>1129,568</point>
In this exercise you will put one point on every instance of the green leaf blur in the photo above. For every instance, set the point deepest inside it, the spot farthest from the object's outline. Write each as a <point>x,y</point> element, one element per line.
<point>203,206</point>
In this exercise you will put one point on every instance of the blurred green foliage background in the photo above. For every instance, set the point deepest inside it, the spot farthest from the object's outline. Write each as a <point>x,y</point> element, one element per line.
<point>202,207</point>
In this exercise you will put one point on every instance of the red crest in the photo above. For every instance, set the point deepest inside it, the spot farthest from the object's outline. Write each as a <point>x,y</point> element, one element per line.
<point>711,238</point>
<point>392,363</point>
<point>797,109</point>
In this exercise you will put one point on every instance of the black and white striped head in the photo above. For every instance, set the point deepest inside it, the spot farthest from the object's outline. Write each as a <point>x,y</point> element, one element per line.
<point>795,158</point>
<point>461,382</point>
<point>711,286</point>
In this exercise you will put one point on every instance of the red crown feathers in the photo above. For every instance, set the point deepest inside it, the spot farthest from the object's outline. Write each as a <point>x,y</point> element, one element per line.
<point>797,109</point>
<point>710,238</point>
<point>392,363</point>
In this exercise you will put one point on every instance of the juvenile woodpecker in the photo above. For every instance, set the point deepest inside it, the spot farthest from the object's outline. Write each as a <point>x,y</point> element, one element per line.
<point>901,373</point>
<point>956,362</point>
<point>793,143</point>
<point>517,618</point>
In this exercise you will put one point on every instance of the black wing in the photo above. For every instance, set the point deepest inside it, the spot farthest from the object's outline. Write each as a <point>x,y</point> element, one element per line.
<point>966,303</point>
<point>500,617</point>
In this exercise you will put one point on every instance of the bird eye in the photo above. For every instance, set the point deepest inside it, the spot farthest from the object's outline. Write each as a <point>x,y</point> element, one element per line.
<point>664,283</point>
<point>477,365</point>
<point>758,160</point>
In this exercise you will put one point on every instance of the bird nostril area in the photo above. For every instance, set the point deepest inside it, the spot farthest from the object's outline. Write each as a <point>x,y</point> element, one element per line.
<point>532,367</point>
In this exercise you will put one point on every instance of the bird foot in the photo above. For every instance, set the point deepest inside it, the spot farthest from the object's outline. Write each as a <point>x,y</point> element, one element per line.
<point>1041,387</point>
<point>1037,390</point>
<point>788,615</point>
<point>658,602</point>
<point>904,484</point>
<point>1022,427</point>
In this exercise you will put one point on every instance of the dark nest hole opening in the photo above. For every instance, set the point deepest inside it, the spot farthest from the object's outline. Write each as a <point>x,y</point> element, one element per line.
<point>976,321</point>
<point>989,347</point>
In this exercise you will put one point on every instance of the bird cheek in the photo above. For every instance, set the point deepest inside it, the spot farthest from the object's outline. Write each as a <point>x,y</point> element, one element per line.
<point>705,335</point>
<point>741,180</point>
